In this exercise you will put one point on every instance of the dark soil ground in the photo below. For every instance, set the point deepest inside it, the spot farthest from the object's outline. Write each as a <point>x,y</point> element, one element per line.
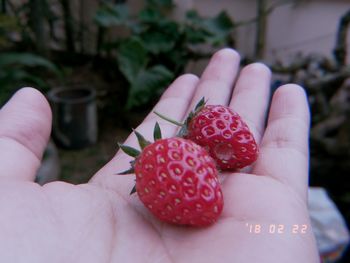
<point>78,166</point>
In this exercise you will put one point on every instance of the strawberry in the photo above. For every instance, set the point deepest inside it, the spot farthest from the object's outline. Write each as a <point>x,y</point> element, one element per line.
<point>177,181</point>
<point>223,133</point>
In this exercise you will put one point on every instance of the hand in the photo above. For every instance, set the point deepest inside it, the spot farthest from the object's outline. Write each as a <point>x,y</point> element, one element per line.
<point>100,222</point>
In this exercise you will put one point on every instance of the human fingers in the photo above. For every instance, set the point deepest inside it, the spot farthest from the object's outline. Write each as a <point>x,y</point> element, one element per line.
<point>251,96</point>
<point>24,132</point>
<point>215,85</point>
<point>216,82</point>
<point>284,150</point>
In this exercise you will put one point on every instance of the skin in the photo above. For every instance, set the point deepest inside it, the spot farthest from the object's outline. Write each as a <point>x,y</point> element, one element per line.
<point>100,222</point>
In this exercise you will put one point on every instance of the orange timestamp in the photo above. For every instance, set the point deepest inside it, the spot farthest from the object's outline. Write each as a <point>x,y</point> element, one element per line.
<point>277,228</point>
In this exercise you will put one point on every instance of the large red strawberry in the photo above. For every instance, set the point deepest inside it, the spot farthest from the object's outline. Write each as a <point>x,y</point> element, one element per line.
<point>176,180</point>
<point>223,133</point>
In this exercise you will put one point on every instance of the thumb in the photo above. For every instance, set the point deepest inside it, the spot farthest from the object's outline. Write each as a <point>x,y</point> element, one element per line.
<point>25,126</point>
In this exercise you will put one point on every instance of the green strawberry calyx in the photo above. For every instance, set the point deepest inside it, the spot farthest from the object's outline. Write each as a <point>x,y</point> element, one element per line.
<point>135,153</point>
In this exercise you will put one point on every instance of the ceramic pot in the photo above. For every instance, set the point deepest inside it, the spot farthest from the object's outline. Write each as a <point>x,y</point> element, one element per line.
<point>74,116</point>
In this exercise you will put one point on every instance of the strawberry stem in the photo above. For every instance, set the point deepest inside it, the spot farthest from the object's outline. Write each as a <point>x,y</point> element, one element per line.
<point>168,119</point>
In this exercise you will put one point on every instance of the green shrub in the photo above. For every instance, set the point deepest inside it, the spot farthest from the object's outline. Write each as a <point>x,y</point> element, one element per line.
<point>15,72</point>
<point>158,48</point>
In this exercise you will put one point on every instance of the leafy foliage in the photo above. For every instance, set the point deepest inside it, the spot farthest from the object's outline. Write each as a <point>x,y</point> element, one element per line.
<point>111,15</point>
<point>158,47</point>
<point>15,72</point>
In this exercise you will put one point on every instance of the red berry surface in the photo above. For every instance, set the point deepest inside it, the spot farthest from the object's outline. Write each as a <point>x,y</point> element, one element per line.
<point>176,179</point>
<point>225,135</point>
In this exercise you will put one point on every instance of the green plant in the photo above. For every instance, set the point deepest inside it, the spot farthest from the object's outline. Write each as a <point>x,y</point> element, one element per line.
<point>158,47</point>
<point>16,71</point>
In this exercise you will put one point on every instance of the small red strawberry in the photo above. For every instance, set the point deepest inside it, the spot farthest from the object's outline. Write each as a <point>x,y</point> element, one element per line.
<point>176,180</point>
<point>223,133</point>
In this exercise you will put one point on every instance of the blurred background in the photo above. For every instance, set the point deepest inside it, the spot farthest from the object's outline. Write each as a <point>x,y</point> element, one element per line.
<point>104,63</point>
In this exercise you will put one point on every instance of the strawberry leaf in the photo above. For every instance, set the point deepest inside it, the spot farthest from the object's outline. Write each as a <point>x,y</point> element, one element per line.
<point>129,150</point>
<point>157,133</point>
<point>184,128</point>
<point>141,140</point>
<point>182,132</point>
<point>129,171</point>
<point>200,105</point>
<point>133,190</point>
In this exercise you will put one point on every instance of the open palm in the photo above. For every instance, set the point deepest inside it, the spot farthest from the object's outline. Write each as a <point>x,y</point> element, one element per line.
<point>265,217</point>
